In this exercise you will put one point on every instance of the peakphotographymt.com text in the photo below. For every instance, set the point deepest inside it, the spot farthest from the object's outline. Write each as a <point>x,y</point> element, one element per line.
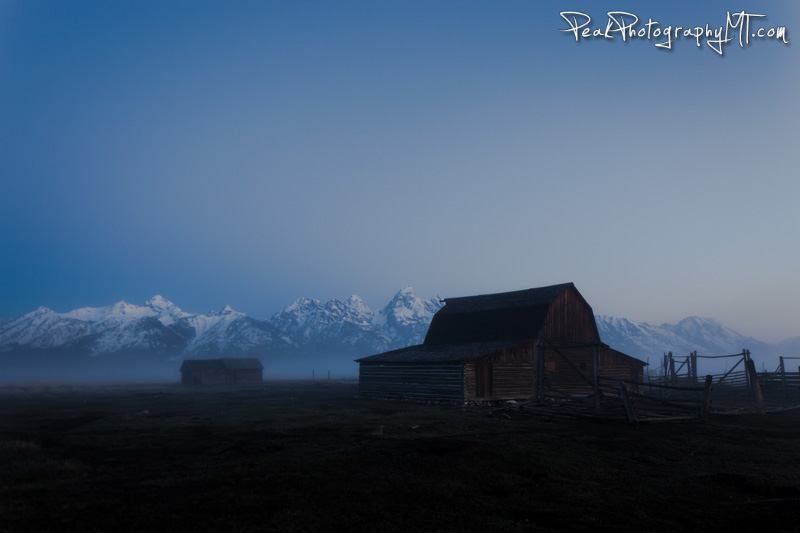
<point>740,27</point>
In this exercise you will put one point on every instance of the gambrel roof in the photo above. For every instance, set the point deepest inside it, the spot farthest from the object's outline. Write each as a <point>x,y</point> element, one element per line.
<point>517,315</point>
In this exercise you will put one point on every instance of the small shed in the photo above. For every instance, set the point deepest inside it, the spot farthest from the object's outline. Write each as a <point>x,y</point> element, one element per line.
<point>227,371</point>
<point>507,346</point>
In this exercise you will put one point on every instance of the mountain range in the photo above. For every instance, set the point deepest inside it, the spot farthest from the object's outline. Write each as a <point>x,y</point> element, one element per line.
<point>339,330</point>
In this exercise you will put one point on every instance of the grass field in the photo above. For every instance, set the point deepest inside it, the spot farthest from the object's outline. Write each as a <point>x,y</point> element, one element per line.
<point>300,456</point>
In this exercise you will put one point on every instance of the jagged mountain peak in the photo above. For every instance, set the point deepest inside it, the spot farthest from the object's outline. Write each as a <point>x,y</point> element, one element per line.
<point>159,302</point>
<point>166,311</point>
<point>407,316</point>
<point>307,326</point>
<point>405,294</point>
<point>406,305</point>
<point>227,312</point>
<point>301,303</point>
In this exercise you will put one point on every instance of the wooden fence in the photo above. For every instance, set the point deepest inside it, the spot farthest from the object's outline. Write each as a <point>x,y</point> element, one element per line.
<point>678,392</point>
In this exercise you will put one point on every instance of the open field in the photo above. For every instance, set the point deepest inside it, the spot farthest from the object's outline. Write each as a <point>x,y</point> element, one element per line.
<point>298,456</point>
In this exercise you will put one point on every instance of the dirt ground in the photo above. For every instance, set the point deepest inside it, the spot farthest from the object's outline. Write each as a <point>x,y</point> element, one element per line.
<point>302,456</point>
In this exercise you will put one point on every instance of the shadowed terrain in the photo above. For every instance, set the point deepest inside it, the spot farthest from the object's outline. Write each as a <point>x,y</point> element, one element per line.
<point>299,456</point>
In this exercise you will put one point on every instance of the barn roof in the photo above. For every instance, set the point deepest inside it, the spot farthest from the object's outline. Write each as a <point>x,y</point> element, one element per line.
<point>446,353</point>
<point>630,358</point>
<point>229,363</point>
<point>517,315</point>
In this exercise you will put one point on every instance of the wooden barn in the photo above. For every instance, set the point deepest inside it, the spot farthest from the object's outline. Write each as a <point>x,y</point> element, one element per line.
<point>229,371</point>
<point>508,346</point>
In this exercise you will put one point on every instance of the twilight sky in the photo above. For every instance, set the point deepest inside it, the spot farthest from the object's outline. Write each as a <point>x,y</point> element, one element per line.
<point>249,153</point>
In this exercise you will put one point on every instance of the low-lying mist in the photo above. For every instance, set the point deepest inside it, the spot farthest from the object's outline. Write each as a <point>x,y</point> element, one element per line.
<point>74,369</point>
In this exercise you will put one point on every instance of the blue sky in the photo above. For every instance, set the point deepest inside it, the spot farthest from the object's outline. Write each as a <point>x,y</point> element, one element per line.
<point>249,153</point>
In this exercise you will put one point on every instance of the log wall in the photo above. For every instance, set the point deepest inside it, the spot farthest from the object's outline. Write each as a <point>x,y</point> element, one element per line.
<point>421,381</point>
<point>222,377</point>
<point>508,381</point>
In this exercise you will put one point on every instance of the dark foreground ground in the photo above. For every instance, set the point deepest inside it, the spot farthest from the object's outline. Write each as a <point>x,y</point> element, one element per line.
<point>295,456</point>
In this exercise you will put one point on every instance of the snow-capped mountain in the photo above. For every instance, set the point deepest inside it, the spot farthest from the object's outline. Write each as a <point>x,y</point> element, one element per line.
<point>704,335</point>
<point>160,328</point>
<point>309,328</point>
<point>406,318</point>
<point>351,326</point>
<point>157,328</point>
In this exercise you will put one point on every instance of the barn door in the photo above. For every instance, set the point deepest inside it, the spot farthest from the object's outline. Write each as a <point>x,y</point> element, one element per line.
<point>483,380</point>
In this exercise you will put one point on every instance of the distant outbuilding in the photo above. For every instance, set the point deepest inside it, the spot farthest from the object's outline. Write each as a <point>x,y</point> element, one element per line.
<point>228,371</point>
<point>507,346</point>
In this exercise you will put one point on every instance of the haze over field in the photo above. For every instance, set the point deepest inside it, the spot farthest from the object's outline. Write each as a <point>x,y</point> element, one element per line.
<point>254,153</point>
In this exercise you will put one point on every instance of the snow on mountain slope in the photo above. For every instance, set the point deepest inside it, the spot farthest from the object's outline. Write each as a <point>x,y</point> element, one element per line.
<point>42,329</point>
<point>236,334</point>
<point>352,326</point>
<point>640,339</point>
<point>333,327</point>
<point>309,327</point>
<point>406,318</point>
<point>703,335</point>
<point>115,328</point>
<point>309,318</point>
<point>711,336</point>
<point>167,312</point>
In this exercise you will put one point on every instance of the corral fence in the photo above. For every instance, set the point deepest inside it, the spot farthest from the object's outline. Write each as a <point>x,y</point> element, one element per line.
<point>679,391</point>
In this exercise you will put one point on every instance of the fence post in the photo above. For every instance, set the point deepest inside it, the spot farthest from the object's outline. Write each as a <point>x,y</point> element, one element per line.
<point>594,377</point>
<point>783,379</point>
<point>759,398</point>
<point>673,377</point>
<point>665,366</point>
<point>626,401</point>
<point>748,381</point>
<point>540,371</point>
<point>706,408</point>
<point>693,366</point>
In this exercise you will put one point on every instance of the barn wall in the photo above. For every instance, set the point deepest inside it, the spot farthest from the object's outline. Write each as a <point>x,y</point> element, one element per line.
<point>619,366</point>
<point>505,375</point>
<point>570,319</point>
<point>485,382</point>
<point>419,381</point>
<point>560,376</point>
<point>565,378</point>
<point>209,377</point>
<point>245,377</point>
<point>222,377</point>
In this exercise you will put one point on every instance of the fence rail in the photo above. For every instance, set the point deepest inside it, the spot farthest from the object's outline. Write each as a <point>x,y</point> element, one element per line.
<point>678,392</point>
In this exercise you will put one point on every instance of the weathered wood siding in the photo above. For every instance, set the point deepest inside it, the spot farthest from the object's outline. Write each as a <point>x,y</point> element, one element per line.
<point>617,365</point>
<point>222,377</point>
<point>205,377</point>
<point>485,382</point>
<point>570,319</point>
<point>576,378</point>
<point>421,381</point>
<point>244,377</point>
<point>505,375</point>
<point>568,378</point>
